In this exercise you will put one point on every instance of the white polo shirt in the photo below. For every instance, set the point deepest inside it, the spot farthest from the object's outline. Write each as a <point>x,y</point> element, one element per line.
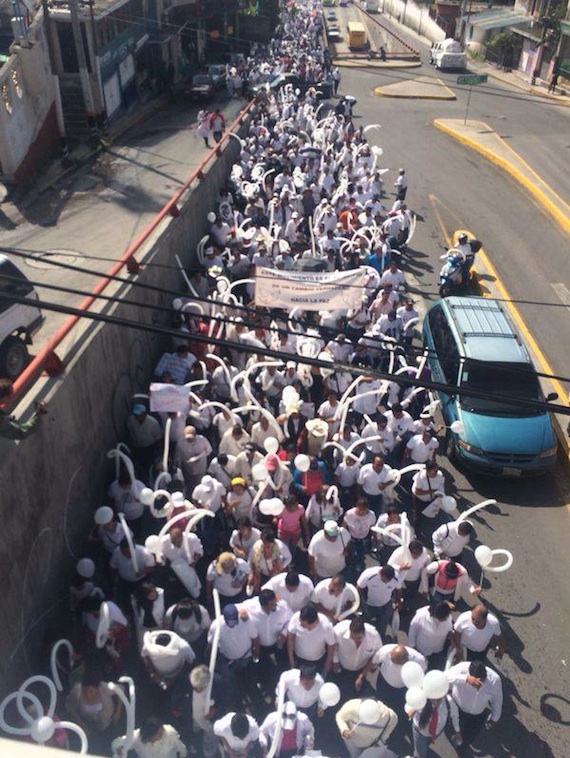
<point>473,638</point>
<point>371,480</point>
<point>332,603</point>
<point>311,644</point>
<point>235,642</point>
<point>421,451</point>
<point>392,672</point>
<point>329,554</point>
<point>223,730</point>
<point>237,541</point>
<point>433,484</point>
<point>448,541</point>
<point>346,475</point>
<point>379,592</point>
<point>427,634</point>
<point>172,553</point>
<point>268,625</point>
<point>473,700</point>
<point>229,585</point>
<point>295,600</point>
<point>402,555</point>
<point>350,657</point>
<point>295,691</point>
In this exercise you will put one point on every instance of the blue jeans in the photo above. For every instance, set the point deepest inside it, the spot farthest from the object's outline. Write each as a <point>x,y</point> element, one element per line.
<point>421,743</point>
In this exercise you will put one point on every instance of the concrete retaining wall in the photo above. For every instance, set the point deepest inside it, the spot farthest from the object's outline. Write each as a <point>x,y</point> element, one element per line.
<point>51,483</point>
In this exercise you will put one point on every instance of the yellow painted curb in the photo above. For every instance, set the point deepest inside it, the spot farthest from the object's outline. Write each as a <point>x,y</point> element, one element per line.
<point>560,216</point>
<point>378,91</point>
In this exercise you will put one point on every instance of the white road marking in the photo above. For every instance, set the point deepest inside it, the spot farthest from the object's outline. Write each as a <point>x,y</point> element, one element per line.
<point>563,292</point>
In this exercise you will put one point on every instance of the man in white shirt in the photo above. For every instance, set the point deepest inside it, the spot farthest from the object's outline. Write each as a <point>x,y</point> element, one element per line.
<point>294,588</point>
<point>358,735</point>
<point>356,645</point>
<point>238,734</point>
<point>334,596</point>
<point>450,539</point>
<point>359,521</point>
<point>346,478</point>
<point>409,562</point>
<point>389,659</point>
<point>373,479</point>
<point>476,630</point>
<point>122,565</point>
<point>380,586</point>
<point>165,656</point>
<point>476,689</point>
<point>401,424</point>
<point>302,687</point>
<point>328,550</point>
<point>125,494</point>
<point>310,639</point>
<point>431,629</point>
<point>222,468</point>
<point>209,493</point>
<point>270,617</point>
<point>181,559</point>
<point>421,448</point>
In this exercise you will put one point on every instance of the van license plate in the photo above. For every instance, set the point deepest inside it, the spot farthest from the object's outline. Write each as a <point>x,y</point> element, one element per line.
<point>507,471</point>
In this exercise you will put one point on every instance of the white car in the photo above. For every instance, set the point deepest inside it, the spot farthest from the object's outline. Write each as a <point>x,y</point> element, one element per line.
<point>448,54</point>
<point>18,321</point>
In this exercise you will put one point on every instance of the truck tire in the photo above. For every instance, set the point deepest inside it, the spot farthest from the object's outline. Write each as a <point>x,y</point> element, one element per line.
<point>14,357</point>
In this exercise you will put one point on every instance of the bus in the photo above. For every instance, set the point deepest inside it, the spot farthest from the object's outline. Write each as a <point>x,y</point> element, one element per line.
<point>356,38</point>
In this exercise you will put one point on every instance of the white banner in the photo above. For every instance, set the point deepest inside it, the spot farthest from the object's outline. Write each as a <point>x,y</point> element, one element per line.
<point>309,291</point>
<point>168,398</point>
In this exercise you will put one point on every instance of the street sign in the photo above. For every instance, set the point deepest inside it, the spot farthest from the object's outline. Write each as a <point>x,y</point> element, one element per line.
<point>472,79</point>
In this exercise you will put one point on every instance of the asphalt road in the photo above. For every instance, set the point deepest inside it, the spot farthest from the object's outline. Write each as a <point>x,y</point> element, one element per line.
<point>128,185</point>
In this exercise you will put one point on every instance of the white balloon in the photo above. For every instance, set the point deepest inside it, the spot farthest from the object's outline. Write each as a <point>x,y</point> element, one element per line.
<point>503,566</point>
<point>302,462</point>
<point>329,694</point>
<point>458,427</point>
<point>103,515</point>
<point>42,730</point>
<point>271,445</point>
<point>211,217</point>
<point>326,372</point>
<point>85,568</point>
<point>483,555</point>
<point>152,543</point>
<point>416,698</point>
<point>370,711</point>
<point>448,504</point>
<point>435,685</point>
<point>272,506</point>
<point>177,304</point>
<point>146,496</point>
<point>412,674</point>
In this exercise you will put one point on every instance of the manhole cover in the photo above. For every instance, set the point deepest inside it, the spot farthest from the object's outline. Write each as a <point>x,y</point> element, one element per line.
<point>51,258</point>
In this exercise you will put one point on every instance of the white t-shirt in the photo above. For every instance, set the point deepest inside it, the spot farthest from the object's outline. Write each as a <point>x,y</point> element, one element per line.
<point>235,642</point>
<point>167,659</point>
<point>391,671</point>
<point>232,584</point>
<point>124,566</point>
<point>169,746</point>
<point>223,729</point>
<point>427,634</point>
<point>371,480</point>
<point>359,526</point>
<point>329,554</point>
<point>379,592</point>
<point>473,638</point>
<point>127,500</point>
<point>295,600</point>
<point>402,555</point>
<point>311,644</point>
<point>268,625</point>
<point>421,451</point>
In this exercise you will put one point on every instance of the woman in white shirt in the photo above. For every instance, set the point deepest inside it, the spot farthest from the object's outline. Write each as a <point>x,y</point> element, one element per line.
<point>148,609</point>
<point>427,724</point>
<point>157,740</point>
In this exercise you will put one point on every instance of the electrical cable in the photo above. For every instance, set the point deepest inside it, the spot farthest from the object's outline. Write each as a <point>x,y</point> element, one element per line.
<point>402,379</point>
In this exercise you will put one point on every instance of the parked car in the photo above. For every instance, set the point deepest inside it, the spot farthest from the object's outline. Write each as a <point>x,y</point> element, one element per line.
<point>218,73</point>
<point>473,346</point>
<point>334,35</point>
<point>324,89</point>
<point>331,16</point>
<point>201,87</point>
<point>18,321</point>
<point>448,54</point>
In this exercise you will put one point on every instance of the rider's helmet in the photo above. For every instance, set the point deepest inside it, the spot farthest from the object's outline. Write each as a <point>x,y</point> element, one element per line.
<point>462,239</point>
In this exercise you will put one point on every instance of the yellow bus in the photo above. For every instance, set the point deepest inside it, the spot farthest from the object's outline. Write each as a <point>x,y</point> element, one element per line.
<point>356,37</point>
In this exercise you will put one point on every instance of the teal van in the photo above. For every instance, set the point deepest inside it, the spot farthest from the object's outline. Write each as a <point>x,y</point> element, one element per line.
<point>472,343</point>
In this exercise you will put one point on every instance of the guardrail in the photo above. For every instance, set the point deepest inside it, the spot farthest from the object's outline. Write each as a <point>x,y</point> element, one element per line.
<point>403,42</point>
<point>127,261</point>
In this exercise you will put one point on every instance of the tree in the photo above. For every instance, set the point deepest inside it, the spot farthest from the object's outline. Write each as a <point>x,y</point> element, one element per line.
<point>503,46</point>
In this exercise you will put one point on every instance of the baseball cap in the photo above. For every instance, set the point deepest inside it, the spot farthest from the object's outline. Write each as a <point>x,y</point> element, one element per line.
<point>331,528</point>
<point>289,715</point>
<point>139,410</point>
<point>231,615</point>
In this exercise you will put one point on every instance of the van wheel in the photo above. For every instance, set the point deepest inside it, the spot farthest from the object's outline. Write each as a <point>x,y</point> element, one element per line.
<point>14,358</point>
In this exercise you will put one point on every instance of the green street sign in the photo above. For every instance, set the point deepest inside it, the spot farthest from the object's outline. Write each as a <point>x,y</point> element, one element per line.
<point>472,79</point>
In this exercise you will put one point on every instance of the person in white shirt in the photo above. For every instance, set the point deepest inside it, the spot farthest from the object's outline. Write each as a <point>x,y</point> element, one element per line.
<point>400,423</point>
<point>431,629</point>
<point>222,468</point>
<point>407,313</point>
<point>476,630</point>
<point>165,656</point>
<point>356,645</point>
<point>428,723</point>
<point>310,639</point>
<point>389,660</point>
<point>476,689</point>
<point>386,443</point>
<point>387,543</point>
<point>357,735</point>
<point>234,441</point>
<point>244,537</point>
<point>297,732</point>
<point>327,411</point>
<point>157,740</point>
<point>182,558</point>
<point>340,348</point>
<point>359,522</point>
<point>302,686</point>
<point>328,550</point>
<point>380,586</point>
<point>450,539</point>
<point>294,588</point>
<point>321,509</point>
<point>209,493</point>
<point>125,494</point>
<point>346,478</point>
<point>421,448</point>
<point>373,479</point>
<point>189,620</point>
<point>450,580</point>
<point>238,733</point>
<point>394,276</point>
<point>409,562</point>
<point>229,575</point>
<point>201,712</point>
<point>334,596</point>
<point>123,569</point>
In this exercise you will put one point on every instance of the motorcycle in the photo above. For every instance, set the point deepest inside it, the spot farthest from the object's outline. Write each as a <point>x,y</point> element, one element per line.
<point>455,275</point>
